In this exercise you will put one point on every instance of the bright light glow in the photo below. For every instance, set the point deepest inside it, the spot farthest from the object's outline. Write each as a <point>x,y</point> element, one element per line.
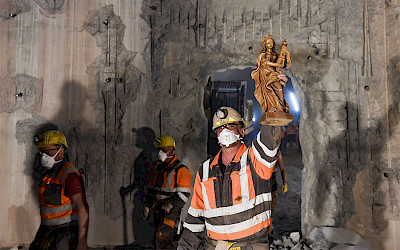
<point>254,118</point>
<point>294,102</point>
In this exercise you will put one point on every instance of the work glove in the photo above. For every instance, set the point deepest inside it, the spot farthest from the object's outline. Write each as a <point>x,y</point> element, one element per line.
<point>166,207</point>
<point>145,213</point>
<point>284,188</point>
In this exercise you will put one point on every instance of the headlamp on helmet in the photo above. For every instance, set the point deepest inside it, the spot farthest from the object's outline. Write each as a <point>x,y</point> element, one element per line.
<point>226,115</point>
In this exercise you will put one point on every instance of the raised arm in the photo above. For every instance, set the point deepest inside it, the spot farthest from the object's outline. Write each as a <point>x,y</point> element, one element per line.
<point>264,151</point>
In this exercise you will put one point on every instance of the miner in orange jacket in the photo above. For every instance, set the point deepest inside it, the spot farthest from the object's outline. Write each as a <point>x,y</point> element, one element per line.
<point>63,207</point>
<point>232,199</point>
<point>168,192</point>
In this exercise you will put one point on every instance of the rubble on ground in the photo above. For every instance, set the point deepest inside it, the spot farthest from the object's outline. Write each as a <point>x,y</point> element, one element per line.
<point>321,238</point>
<point>291,241</point>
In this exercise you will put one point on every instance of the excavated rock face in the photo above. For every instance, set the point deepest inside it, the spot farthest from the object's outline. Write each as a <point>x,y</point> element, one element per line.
<point>345,71</point>
<point>52,7</point>
<point>10,9</point>
<point>344,95</point>
<point>114,82</point>
<point>22,92</point>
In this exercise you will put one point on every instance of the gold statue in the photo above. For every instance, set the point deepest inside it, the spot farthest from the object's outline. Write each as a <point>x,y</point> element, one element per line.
<point>269,87</point>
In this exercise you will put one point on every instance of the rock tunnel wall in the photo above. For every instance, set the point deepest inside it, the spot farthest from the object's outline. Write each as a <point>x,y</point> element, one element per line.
<point>113,74</point>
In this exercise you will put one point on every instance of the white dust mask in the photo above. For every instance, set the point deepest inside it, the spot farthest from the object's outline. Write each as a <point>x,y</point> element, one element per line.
<point>162,156</point>
<point>49,161</point>
<point>227,137</point>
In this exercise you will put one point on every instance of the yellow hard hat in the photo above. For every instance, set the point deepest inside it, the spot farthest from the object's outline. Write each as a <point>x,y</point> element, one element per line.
<point>165,141</point>
<point>50,137</point>
<point>226,115</point>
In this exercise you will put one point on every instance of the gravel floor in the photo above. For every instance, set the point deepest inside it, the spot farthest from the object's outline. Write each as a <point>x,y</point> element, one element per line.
<point>287,214</point>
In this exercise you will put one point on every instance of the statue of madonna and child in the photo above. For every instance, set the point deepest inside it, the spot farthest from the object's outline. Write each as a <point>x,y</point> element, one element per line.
<point>269,89</point>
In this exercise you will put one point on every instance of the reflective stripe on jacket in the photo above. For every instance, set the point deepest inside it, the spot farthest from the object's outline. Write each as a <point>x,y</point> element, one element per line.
<point>175,181</point>
<point>235,205</point>
<point>291,130</point>
<point>55,207</point>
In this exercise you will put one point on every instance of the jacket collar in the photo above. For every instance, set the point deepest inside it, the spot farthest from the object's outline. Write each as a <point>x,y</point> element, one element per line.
<point>170,164</point>
<point>55,170</point>
<point>237,157</point>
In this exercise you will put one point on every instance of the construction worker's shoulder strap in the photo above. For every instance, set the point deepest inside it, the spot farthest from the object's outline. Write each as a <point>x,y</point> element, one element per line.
<point>67,169</point>
<point>205,168</point>
<point>178,165</point>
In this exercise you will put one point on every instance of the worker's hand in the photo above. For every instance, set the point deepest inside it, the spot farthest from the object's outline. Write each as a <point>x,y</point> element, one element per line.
<point>166,207</point>
<point>284,188</point>
<point>145,213</point>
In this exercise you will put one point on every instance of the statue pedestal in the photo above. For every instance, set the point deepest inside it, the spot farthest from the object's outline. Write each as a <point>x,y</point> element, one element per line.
<point>276,118</point>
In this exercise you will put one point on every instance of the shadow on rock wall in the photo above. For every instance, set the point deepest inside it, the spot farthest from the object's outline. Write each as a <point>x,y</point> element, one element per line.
<point>331,170</point>
<point>141,171</point>
<point>349,153</point>
<point>86,142</point>
<point>91,148</point>
<point>70,121</point>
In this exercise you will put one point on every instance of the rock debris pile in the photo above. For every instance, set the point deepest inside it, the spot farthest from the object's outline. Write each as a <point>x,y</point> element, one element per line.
<point>321,238</point>
<point>291,241</point>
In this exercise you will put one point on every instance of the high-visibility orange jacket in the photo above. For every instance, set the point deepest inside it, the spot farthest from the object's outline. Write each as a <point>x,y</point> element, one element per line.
<point>55,207</point>
<point>171,179</point>
<point>291,130</point>
<point>234,205</point>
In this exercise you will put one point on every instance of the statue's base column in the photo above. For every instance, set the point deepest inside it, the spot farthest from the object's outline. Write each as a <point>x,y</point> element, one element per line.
<point>276,118</point>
